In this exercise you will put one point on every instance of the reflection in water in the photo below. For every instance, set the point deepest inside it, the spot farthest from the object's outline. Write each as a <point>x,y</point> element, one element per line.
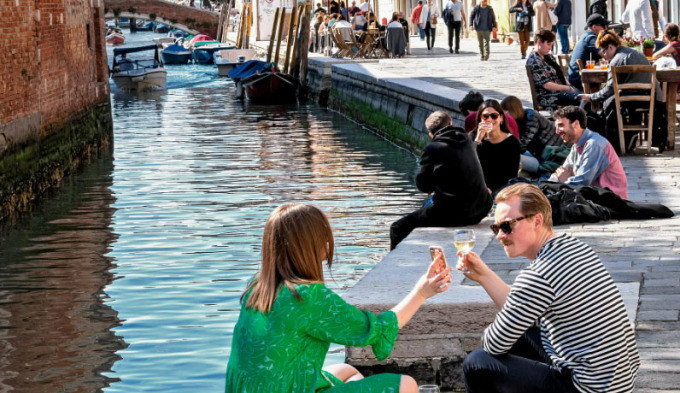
<point>55,331</point>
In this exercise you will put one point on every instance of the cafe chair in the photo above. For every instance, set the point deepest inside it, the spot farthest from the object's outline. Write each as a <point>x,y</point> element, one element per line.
<point>534,96</point>
<point>344,50</point>
<point>640,96</point>
<point>563,61</point>
<point>396,41</point>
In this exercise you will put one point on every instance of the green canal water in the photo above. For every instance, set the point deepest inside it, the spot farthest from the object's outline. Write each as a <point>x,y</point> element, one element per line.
<point>128,277</point>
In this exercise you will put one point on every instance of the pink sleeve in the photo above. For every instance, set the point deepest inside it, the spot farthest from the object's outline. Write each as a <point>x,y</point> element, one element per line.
<point>512,124</point>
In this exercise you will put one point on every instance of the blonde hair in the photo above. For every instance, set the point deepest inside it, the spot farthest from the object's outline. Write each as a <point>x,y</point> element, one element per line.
<point>296,239</point>
<point>606,38</point>
<point>532,201</point>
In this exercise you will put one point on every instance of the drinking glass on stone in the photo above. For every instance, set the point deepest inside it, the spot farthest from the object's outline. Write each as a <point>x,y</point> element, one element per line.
<point>428,389</point>
<point>464,240</point>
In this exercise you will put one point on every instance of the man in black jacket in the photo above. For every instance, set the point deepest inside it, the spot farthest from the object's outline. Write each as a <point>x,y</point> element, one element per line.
<point>450,169</point>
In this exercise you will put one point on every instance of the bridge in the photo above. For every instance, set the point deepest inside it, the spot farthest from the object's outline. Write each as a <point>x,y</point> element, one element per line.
<point>189,19</point>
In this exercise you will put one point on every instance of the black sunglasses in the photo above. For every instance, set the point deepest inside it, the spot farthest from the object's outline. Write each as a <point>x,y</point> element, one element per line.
<point>506,226</point>
<point>486,116</point>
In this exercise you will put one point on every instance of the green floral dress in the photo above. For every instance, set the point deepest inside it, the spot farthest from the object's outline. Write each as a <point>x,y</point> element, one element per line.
<point>284,350</point>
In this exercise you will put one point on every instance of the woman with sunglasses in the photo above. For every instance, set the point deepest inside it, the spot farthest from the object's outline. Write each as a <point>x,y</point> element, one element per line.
<point>562,325</point>
<point>497,149</point>
<point>289,317</point>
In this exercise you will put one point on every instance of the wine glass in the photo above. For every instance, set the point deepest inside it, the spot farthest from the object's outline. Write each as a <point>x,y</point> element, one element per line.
<point>464,240</point>
<point>428,389</point>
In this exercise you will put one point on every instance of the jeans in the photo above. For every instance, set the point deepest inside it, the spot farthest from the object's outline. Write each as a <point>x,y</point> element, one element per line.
<point>421,32</point>
<point>484,37</point>
<point>566,98</point>
<point>430,33</point>
<point>526,368</point>
<point>454,28</point>
<point>528,162</point>
<point>562,32</point>
<point>524,39</point>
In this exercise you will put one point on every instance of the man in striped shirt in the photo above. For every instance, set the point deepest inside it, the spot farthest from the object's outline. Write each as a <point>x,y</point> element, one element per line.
<point>562,326</point>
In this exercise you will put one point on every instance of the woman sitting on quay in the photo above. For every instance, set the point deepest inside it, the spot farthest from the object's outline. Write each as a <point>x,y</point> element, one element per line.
<point>497,149</point>
<point>671,34</point>
<point>552,88</point>
<point>536,133</point>
<point>289,318</point>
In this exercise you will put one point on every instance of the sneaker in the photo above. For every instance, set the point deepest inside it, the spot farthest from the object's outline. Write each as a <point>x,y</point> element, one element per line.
<point>481,58</point>
<point>524,57</point>
<point>457,51</point>
<point>450,50</point>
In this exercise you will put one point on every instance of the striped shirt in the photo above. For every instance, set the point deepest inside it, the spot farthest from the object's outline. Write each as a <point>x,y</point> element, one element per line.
<point>580,312</point>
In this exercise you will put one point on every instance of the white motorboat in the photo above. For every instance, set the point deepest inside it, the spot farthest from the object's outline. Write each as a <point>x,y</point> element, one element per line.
<point>143,74</point>
<point>227,59</point>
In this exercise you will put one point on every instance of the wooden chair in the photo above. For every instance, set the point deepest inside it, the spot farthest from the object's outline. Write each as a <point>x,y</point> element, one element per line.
<point>620,97</point>
<point>579,62</point>
<point>344,50</point>
<point>534,96</point>
<point>563,61</point>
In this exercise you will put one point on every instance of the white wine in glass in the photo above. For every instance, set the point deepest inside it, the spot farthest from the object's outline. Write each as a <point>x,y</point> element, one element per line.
<point>464,240</point>
<point>428,389</point>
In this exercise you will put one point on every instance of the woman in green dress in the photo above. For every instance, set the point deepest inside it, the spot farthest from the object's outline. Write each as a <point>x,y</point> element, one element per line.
<point>289,318</point>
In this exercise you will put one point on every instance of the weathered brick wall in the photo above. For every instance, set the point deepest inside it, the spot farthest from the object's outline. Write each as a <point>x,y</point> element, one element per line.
<point>54,94</point>
<point>201,20</point>
<point>49,68</point>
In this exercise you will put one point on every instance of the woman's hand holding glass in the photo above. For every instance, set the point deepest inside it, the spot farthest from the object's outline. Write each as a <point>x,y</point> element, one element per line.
<point>433,282</point>
<point>483,130</point>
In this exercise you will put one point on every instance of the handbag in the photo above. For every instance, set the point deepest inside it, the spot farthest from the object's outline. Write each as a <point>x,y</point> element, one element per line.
<point>553,18</point>
<point>434,20</point>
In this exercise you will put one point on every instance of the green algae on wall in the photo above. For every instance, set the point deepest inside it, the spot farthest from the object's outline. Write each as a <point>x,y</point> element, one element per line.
<point>27,171</point>
<point>390,127</point>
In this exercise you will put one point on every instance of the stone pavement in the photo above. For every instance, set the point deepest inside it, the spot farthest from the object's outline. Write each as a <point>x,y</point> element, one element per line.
<point>645,254</point>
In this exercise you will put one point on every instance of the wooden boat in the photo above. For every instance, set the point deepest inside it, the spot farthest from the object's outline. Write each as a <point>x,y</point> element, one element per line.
<point>271,87</point>
<point>115,36</point>
<point>175,54</point>
<point>226,60</point>
<point>146,74</point>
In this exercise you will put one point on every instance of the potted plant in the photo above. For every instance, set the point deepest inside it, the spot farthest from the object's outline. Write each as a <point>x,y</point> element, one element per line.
<point>648,47</point>
<point>631,42</point>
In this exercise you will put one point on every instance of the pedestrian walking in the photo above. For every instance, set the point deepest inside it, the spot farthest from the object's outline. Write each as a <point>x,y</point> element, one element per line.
<point>428,22</point>
<point>415,19</point>
<point>523,11</point>
<point>454,18</point>
<point>483,21</point>
<point>563,13</point>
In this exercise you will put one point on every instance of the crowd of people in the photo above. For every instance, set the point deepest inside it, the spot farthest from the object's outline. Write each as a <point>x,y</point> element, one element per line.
<point>556,330</point>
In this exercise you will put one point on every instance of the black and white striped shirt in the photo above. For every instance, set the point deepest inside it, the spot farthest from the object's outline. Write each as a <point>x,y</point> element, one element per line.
<point>583,321</point>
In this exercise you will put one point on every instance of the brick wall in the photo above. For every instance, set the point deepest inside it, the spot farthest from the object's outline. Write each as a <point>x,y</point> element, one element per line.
<point>48,66</point>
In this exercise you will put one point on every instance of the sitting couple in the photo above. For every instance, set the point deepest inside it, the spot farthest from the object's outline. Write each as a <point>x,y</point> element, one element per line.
<point>562,326</point>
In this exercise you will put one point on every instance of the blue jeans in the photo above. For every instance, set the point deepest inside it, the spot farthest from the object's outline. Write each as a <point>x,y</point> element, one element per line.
<point>421,32</point>
<point>562,32</point>
<point>525,369</point>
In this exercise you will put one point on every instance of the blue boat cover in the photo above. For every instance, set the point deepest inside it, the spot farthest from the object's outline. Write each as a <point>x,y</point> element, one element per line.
<point>248,68</point>
<point>174,48</point>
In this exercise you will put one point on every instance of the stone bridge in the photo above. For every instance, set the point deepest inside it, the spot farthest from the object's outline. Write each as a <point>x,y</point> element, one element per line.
<point>185,18</point>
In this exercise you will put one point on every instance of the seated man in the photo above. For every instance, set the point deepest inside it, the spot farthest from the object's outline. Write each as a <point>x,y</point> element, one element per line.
<point>585,48</point>
<point>451,170</point>
<point>592,160</point>
<point>345,28</point>
<point>611,49</point>
<point>552,89</point>
<point>562,325</point>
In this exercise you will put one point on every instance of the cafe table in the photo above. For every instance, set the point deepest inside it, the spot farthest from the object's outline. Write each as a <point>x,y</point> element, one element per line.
<point>594,78</point>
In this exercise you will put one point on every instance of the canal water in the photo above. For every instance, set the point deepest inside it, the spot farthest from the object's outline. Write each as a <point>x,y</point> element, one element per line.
<point>128,277</point>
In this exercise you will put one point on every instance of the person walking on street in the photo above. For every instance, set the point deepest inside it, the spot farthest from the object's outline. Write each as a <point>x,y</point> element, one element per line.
<point>483,20</point>
<point>563,12</point>
<point>639,14</point>
<point>454,17</point>
<point>524,11</point>
<point>428,22</point>
<point>598,7</point>
<point>562,325</point>
<point>541,8</point>
<point>415,19</point>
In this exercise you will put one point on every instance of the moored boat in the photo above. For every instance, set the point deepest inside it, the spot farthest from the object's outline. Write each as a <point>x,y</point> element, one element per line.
<point>144,74</point>
<point>262,83</point>
<point>162,28</point>
<point>175,54</point>
<point>227,59</point>
<point>203,54</point>
<point>114,36</point>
